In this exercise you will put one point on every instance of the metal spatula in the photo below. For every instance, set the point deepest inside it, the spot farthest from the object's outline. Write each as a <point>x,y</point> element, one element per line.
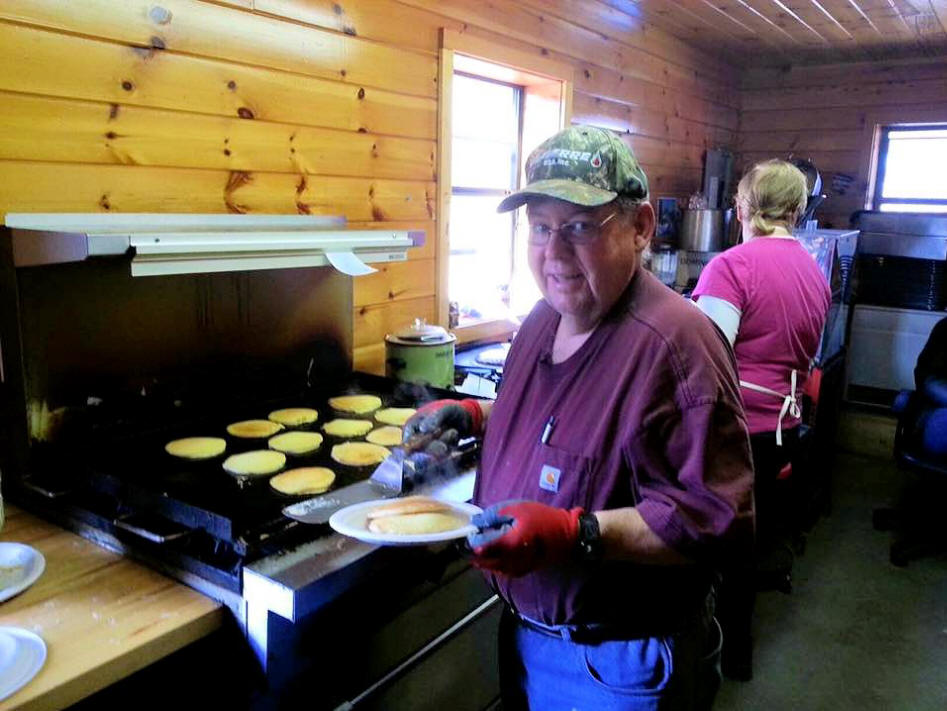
<point>387,481</point>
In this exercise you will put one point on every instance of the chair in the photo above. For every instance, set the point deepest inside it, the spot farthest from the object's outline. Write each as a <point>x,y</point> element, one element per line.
<point>920,448</point>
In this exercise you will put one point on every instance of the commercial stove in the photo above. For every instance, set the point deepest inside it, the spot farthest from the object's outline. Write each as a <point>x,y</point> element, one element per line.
<point>100,369</point>
<point>108,469</point>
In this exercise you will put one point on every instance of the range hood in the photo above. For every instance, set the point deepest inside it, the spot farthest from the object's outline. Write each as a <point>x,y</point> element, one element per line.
<point>162,243</point>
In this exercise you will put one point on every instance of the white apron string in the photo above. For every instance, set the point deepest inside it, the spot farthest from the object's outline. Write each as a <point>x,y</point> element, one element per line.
<point>790,403</point>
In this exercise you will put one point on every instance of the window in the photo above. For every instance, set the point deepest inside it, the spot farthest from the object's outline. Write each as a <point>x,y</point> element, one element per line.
<point>910,169</point>
<point>493,114</point>
<point>496,124</point>
<point>485,156</point>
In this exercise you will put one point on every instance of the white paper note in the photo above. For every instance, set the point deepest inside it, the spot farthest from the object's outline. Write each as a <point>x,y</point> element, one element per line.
<point>348,263</point>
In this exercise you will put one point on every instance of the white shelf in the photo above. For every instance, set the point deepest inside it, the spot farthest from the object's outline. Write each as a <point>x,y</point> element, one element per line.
<point>161,244</point>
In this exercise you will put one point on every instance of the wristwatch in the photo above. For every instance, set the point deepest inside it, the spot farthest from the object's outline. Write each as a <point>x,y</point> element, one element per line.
<point>590,538</point>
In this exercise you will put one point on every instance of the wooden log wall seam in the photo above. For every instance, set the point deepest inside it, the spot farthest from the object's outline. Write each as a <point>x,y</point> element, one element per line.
<point>35,62</point>
<point>204,29</point>
<point>47,129</point>
<point>315,106</point>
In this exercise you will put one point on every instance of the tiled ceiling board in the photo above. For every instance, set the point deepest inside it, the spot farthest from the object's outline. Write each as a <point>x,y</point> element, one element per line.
<point>777,32</point>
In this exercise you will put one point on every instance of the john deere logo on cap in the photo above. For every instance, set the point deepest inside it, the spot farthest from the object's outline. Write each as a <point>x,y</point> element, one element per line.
<point>596,160</point>
<point>563,156</point>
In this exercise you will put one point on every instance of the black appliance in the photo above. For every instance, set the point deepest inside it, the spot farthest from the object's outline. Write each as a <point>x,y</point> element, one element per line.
<point>108,468</point>
<point>902,260</point>
<point>479,368</point>
<point>900,293</point>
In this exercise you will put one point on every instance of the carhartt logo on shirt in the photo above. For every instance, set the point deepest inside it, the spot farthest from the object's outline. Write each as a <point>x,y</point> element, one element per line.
<point>549,478</point>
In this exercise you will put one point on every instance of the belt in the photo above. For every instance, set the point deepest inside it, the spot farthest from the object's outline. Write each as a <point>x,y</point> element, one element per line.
<point>593,633</point>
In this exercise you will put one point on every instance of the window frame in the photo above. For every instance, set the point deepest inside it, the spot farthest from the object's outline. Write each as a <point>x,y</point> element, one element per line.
<point>883,143</point>
<point>535,71</point>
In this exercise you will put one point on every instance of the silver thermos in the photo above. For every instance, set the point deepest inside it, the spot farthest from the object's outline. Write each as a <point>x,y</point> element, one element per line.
<point>702,230</point>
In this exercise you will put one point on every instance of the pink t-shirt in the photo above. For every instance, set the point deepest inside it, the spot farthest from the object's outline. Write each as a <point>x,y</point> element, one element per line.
<point>783,299</point>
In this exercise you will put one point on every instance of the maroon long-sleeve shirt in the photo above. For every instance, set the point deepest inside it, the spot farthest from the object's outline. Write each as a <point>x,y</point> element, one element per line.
<point>647,414</point>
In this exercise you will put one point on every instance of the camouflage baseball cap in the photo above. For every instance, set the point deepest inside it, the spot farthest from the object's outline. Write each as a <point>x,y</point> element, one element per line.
<point>583,165</point>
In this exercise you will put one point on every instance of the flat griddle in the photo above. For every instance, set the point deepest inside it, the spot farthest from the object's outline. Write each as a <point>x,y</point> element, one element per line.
<point>138,472</point>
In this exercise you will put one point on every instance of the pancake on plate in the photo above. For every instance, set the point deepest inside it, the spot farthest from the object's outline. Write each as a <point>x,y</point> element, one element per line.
<point>305,480</point>
<point>413,515</point>
<point>385,436</point>
<point>254,429</point>
<point>356,404</point>
<point>257,463</point>
<point>359,454</point>
<point>395,415</point>
<point>414,524</point>
<point>294,416</point>
<point>408,505</point>
<point>196,448</point>
<point>347,428</point>
<point>297,443</point>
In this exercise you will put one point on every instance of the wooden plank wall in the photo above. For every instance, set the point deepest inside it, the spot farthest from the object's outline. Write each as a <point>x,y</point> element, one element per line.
<point>829,114</point>
<point>313,106</point>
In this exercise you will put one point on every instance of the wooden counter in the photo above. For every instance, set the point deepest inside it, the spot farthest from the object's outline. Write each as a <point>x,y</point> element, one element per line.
<point>101,615</point>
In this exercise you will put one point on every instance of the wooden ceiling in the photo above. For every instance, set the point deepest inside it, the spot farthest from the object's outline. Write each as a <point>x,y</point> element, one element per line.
<point>776,32</point>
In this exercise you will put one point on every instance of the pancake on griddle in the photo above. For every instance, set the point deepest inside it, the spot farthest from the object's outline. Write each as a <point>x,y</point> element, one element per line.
<point>294,416</point>
<point>196,448</point>
<point>305,480</point>
<point>359,454</point>
<point>254,429</point>
<point>414,524</point>
<point>356,404</point>
<point>395,415</point>
<point>260,462</point>
<point>385,436</point>
<point>347,428</point>
<point>297,443</point>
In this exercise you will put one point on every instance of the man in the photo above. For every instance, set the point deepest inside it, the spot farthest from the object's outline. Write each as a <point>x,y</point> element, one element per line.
<point>616,467</point>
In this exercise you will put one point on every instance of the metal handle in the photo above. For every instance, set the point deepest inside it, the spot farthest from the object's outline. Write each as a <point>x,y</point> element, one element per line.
<point>125,524</point>
<point>422,653</point>
<point>48,493</point>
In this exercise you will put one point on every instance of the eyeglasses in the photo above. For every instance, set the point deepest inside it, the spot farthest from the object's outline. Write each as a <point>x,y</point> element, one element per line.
<point>580,232</point>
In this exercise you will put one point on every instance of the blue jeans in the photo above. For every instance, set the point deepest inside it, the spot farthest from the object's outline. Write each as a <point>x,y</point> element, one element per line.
<point>679,672</point>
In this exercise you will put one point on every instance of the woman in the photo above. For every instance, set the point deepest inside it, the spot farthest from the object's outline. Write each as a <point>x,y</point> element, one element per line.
<point>770,299</point>
<point>605,516</point>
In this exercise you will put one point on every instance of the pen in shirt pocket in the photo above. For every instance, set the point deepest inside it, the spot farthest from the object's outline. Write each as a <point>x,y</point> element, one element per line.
<point>547,430</point>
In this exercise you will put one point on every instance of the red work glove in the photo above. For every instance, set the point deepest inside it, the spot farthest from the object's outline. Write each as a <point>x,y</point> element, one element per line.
<point>518,537</point>
<point>465,416</point>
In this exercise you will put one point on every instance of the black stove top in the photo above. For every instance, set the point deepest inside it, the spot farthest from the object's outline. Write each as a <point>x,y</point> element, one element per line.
<point>196,515</point>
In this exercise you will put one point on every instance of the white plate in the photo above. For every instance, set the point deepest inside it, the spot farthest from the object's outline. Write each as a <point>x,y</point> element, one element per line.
<point>351,521</point>
<point>20,566</point>
<point>22,655</point>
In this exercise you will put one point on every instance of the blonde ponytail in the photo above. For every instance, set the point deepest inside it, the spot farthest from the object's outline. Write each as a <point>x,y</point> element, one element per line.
<point>773,194</point>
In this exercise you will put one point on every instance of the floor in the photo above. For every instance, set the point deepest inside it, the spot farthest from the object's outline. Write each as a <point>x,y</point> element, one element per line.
<point>856,632</point>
